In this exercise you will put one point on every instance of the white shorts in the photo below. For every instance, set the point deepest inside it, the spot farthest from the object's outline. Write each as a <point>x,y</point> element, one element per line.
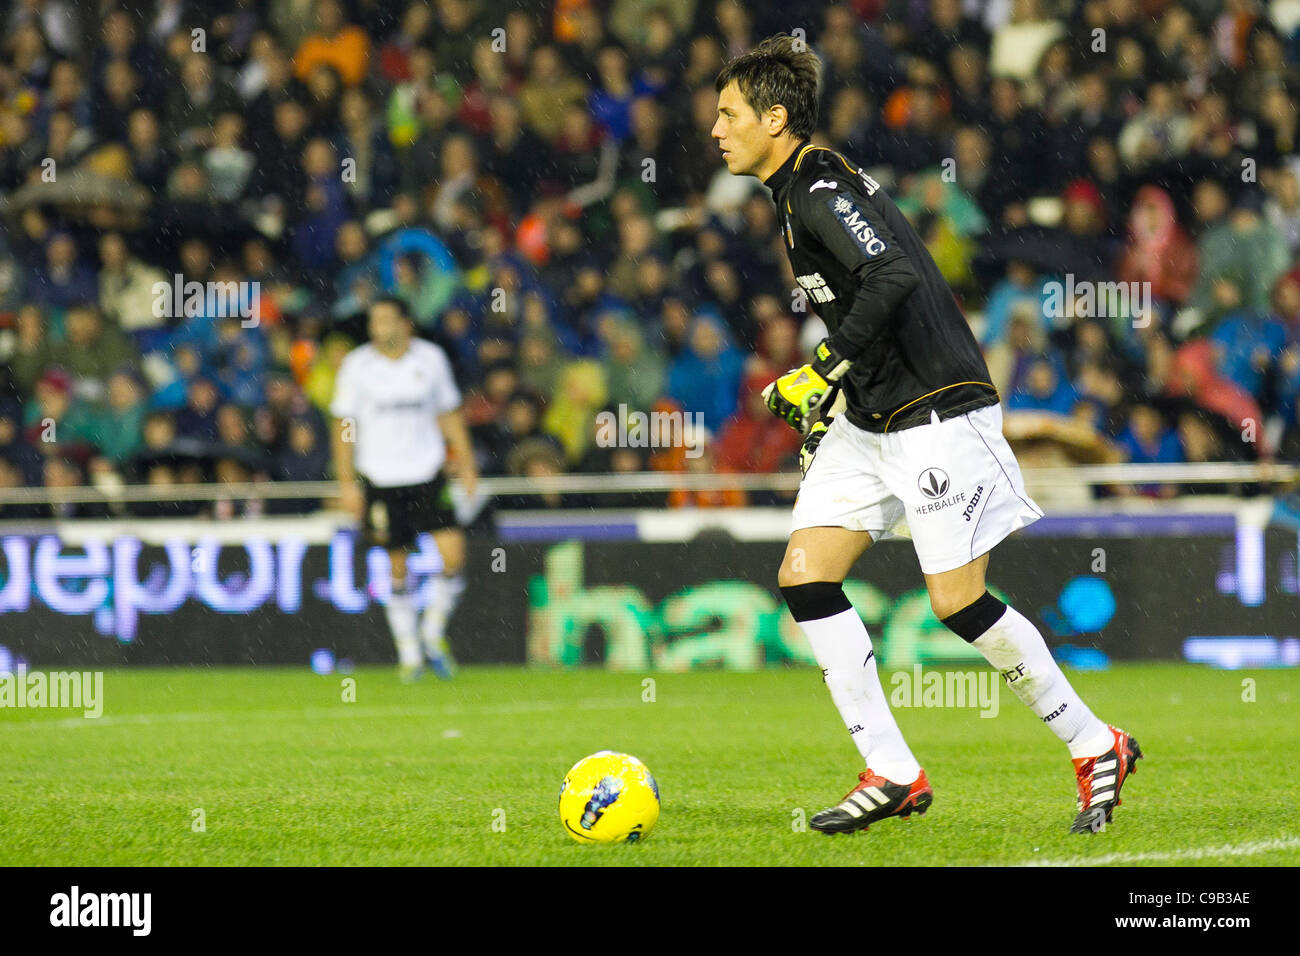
<point>952,486</point>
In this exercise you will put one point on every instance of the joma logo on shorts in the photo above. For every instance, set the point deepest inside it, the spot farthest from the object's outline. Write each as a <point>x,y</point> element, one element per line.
<point>974,500</point>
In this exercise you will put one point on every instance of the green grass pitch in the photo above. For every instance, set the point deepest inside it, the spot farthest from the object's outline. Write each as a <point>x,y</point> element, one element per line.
<point>279,770</point>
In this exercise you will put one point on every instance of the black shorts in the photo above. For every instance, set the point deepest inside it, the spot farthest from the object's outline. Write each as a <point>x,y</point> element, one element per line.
<point>394,516</point>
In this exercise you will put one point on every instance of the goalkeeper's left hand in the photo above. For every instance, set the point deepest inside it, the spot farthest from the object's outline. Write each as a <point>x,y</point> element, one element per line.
<point>799,392</point>
<point>811,443</point>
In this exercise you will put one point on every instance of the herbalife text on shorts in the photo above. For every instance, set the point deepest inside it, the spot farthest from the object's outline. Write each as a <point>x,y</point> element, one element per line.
<point>75,908</point>
<point>57,690</point>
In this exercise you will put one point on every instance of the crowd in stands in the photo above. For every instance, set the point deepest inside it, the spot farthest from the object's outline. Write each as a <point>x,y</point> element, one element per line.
<point>1110,187</point>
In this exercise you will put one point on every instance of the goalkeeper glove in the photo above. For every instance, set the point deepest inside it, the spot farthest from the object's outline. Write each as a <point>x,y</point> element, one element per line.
<point>799,392</point>
<point>810,444</point>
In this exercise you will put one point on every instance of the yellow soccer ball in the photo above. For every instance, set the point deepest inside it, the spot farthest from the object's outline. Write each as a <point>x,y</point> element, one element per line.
<point>609,798</point>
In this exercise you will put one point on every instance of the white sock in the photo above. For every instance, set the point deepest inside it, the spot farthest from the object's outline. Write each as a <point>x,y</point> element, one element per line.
<point>433,625</point>
<point>843,649</point>
<point>1014,646</point>
<point>400,612</point>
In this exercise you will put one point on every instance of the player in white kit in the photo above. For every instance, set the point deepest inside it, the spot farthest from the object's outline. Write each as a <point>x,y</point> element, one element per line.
<point>396,411</point>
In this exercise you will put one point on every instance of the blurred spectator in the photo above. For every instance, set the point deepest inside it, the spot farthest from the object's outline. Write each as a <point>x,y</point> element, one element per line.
<point>65,473</point>
<point>150,160</point>
<point>305,457</point>
<point>91,351</point>
<point>13,476</point>
<point>540,362</point>
<point>319,384</point>
<point>704,463</point>
<point>634,371</point>
<point>496,440</point>
<point>1157,134</point>
<point>1021,285</point>
<point>126,287</point>
<point>1158,250</point>
<point>1246,245</point>
<point>324,208</point>
<point>579,393</point>
<point>753,439</point>
<point>1282,209</point>
<point>33,352</point>
<point>548,93</point>
<point>1202,440</point>
<point>14,449</point>
<point>197,418</point>
<point>1149,440</point>
<point>1193,375</point>
<point>537,457</point>
<point>65,279</point>
<point>485,404</point>
<point>334,43</point>
<point>705,378</point>
<point>228,164</point>
<point>117,430</point>
<point>194,105</point>
<point>1043,387</point>
<point>55,422</point>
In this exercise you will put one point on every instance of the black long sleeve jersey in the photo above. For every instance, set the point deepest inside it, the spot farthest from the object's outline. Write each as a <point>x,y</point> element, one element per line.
<point>887,307</point>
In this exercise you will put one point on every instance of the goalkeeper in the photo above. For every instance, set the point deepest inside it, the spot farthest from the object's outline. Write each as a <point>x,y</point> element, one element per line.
<point>918,450</point>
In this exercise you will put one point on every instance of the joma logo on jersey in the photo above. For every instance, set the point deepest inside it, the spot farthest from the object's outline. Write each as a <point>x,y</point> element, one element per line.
<point>816,288</point>
<point>857,227</point>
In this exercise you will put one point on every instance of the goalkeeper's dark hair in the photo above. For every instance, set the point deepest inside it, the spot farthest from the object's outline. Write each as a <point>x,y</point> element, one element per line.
<point>782,69</point>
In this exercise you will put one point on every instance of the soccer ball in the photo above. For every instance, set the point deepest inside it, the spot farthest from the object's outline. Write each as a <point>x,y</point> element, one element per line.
<point>609,798</point>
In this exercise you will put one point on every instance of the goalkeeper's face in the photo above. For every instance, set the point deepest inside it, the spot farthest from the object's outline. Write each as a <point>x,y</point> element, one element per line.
<point>741,133</point>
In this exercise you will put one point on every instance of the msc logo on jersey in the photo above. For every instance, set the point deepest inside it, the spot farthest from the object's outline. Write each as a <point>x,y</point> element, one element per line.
<point>857,226</point>
<point>815,286</point>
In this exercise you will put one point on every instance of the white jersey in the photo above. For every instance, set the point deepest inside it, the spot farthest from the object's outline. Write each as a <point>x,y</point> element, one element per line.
<point>395,404</point>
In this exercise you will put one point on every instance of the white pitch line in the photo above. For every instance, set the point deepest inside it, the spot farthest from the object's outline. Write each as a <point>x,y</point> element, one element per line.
<point>344,711</point>
<point>1193,853</point>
